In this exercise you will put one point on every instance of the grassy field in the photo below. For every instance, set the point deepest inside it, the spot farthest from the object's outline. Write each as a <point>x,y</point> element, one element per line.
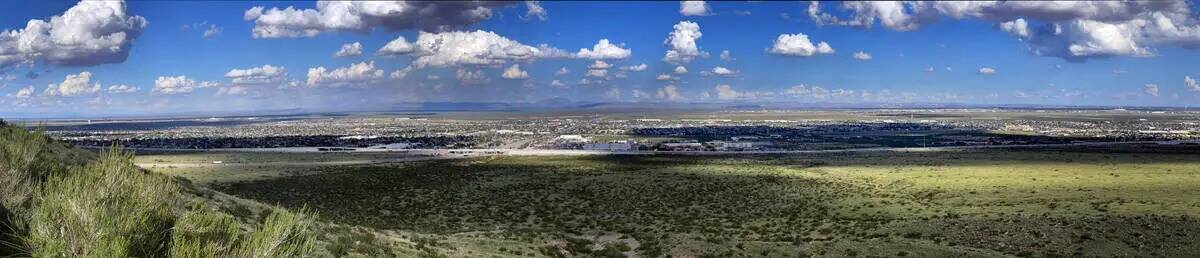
<point>1138,202</point>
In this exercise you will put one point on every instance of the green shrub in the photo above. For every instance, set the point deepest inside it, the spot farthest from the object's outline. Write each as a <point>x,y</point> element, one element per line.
<point>108,208</point>
<point>283,234</point>
<point>18,176</point>
<point>200,233</point>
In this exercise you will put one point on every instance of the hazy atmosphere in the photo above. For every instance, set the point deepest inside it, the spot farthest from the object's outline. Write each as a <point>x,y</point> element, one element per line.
<point>105,58</point>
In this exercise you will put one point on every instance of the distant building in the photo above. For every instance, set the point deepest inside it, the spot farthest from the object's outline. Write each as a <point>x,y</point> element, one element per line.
<point>571,138</point>
<point>613,146</point>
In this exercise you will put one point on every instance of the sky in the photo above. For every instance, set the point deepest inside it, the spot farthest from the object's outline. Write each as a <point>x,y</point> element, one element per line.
<point>97,58</point>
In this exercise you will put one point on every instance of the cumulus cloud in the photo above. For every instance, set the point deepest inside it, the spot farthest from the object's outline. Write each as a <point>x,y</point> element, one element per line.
<point>558,84</point>
<point>798,45</point>
<point>636,68</point>
<point>212,31</point>
<point>987,71</point>
<point>475,48</point>
<point>349,49</point>
<point>562,71</point>
<point>598,64</point>
<point>664,77</point>
<point>669,92</point>
<point>1018,28</point>
<point>399,73</point>
<point>73,85</point>
<point>604,50</point>
<point>25,93</point>
<point>467,77</point>
<point>693,8</point>
<point>1073,30</point>
<point>862,56</point>
<point>600,73</point>
<point>87,34</point>
<point>398,46</point>
<point>681,43</point>
<point>363,16</point>
<point>680,70</point>
<point>534,10</point>
<point>232,90</point>
<point>1191,83</point>
<point>514,72</point>
<point>1150,89</point>
<point>726,92</point>
<point>257,75</point>
<point>122,88</point>
<point>725,56</point>
<point>170,85</point>
<point>722,71</point>
<point>355,74</point>
<point>613,93</point>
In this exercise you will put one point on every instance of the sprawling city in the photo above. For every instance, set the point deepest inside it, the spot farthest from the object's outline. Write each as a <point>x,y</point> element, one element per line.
<point>677,129</point>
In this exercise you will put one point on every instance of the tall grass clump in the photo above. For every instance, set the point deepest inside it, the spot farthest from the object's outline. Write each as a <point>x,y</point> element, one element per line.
<point>108,208</point>
<point>56,201</point>
<point>18,173</point>
<point>283,234</point>
<point>200,233</point>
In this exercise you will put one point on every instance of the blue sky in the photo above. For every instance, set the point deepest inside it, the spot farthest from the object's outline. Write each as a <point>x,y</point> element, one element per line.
<point>911,60</point>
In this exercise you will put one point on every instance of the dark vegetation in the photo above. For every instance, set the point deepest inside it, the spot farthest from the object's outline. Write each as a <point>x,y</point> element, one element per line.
<point>57,201</point>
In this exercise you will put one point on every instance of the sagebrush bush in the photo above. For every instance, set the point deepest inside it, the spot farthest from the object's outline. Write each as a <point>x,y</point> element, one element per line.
<point>201,233</point>
<point>60,202</point>
<point>282,234</point>
<point>108,208</point>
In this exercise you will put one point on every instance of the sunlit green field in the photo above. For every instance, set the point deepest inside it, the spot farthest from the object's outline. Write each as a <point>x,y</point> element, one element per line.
<point>1142,201</point>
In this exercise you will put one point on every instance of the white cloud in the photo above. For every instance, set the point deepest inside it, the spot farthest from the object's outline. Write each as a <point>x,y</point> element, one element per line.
<point>1018,28</point>
<point>475,48</point>
<point>613,93</point>
<point>89,33</point>
<point>362,16</point>
<point>798,45</point>
<point>1151,89</point>
<point>168,85</point>
<point>604,50</point>
<point>349,49</point>
<point>212,31</point>
<point>600,73</point>
<point>470,77</point>
<point>398,46</point>
<point>514,72</point>
<point>680,70</point>
<point>862,56</point>
<point>1073,30</point>
<point>232,90</point>
<point>360,73</point>
<point>558,84</point>
<point>722,71</point>
<point>726,92</point>
<point>664,77</point>
<point>534,10</point>
<point>725,56</point>
<point>669,92</point>
<point>25,93</point>
<point>598,64</point>
<point>1191,83</point>
<point>562,71</point>
<point>636,68</point>
<point>73,85</point>
<point>399,74</point>
<point>681,43</point>
<point>987,70</point>
<point>639,94</point>
<point>122,89</point>
<point>693,8</point>
<point>257,75</point>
